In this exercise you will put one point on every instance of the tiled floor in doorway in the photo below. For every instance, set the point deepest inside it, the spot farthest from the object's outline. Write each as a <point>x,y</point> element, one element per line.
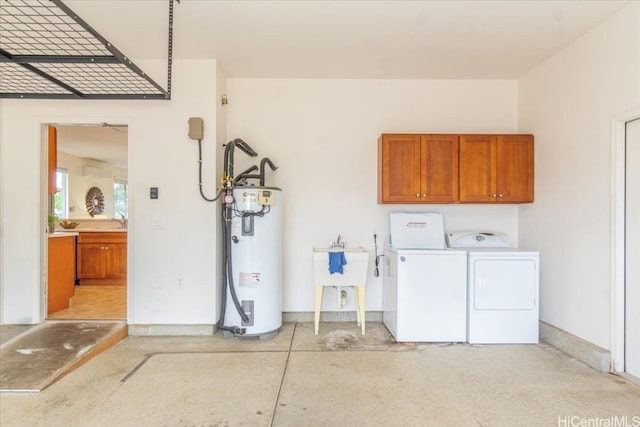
<point>336,378</point>
<point>95,303</point>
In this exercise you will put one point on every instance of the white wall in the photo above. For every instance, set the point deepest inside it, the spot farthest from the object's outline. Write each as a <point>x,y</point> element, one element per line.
<point>568,102</point>
<point>170,238</point>
<point>221,138</point>
<point>322,134</point>
<point>79,184</point>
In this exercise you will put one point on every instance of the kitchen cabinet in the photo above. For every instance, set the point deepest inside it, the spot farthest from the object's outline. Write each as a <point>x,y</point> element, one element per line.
<point>61,272</point>
<point>52,159</point>
<point>496,168</point>
<point>416,168</point>
<point>102,258</point>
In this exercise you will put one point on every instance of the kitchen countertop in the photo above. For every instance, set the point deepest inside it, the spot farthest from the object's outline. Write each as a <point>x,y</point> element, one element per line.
<point>69,233</point>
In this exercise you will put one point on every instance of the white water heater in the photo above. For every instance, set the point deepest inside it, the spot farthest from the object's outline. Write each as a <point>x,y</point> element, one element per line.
<point>256,259</point>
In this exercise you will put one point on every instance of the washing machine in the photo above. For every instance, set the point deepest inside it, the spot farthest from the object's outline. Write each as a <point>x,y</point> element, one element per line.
<point>424,297</point>
<point>502,289</point>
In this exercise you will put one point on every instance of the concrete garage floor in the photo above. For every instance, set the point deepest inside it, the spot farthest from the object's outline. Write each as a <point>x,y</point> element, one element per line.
<point>337,378</point>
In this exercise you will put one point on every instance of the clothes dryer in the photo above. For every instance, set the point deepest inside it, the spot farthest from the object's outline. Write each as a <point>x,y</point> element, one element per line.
<point>502,297</point>
<point>503,290</point>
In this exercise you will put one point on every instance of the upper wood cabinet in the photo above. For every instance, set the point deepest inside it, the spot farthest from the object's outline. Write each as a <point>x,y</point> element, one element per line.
<point>496,168</point>
<point>52,158</point>
<point>417,168</point>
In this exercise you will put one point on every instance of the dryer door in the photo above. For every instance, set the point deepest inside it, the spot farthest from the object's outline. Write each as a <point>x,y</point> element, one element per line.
<point>504,284</point>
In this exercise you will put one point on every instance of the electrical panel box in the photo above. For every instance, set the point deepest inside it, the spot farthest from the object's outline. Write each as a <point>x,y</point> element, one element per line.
<point>196,128</point>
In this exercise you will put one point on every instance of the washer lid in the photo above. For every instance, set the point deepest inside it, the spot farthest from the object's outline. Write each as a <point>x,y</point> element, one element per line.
<point>478,240</point>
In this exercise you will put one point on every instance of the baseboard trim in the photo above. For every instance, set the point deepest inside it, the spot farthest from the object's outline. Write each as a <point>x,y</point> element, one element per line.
<point>198,330</point>
<point>330,316</point>
<point>172,330</point>
<point>586,352</point>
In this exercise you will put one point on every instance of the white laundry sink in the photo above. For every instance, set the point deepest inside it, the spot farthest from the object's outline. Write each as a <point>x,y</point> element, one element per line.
<point>354,272</point>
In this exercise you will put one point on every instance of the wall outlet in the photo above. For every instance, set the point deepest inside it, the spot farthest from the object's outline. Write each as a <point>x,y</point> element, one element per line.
<point>180,282</point>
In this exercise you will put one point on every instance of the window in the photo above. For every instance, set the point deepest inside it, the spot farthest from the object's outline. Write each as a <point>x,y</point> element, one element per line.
<point>61,198</point>
<point>120,198</point>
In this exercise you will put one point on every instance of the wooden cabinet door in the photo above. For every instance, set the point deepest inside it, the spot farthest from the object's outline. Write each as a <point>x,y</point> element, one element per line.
<point>91,261</point>
<point>61,272</point>
<point>116,260</point>
<point>514,168</point>
<point>399,168</point>
<point>477,166</point>
<point>439,174</point>
<point>102,258</point>
<point>52,158</point>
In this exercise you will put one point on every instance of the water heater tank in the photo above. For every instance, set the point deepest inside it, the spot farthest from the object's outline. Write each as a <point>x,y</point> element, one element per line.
<point>256,255</point>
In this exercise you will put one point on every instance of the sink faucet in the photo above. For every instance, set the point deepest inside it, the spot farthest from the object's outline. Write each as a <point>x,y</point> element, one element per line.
<point>337,243</point>
<point>122,221</point>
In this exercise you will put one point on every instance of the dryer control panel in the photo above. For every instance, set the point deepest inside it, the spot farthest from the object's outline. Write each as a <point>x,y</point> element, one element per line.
<point>478,240</point>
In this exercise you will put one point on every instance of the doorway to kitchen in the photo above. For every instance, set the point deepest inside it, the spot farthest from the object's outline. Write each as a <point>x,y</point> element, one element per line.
<point>87,172</point>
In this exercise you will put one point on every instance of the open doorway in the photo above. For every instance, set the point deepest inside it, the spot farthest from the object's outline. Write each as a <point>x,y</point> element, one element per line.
<point>632,249</point>
<point>625,246</point>
<point>88,203</point>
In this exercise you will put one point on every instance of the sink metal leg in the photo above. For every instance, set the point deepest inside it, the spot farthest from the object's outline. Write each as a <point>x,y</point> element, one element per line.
<point>317,308</point>
<point>360,309</point>
<point>358,318</point>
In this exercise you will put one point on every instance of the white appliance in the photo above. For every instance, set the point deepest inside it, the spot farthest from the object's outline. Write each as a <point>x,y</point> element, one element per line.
<point>424,294</point>
<point>503,288</point>
<point>417,230</point>
<point>478,240</point>
<point>424,284</point>
<point>256,255</point>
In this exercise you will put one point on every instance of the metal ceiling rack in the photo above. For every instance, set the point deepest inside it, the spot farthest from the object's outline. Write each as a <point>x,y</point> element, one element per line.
<point>48,52</point>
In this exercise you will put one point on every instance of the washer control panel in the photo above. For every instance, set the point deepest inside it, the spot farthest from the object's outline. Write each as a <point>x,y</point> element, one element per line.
<point>478,240</point>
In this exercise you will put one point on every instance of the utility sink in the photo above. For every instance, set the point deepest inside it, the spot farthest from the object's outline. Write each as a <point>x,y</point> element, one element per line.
<point>355,271</point>
<point>354,274</point>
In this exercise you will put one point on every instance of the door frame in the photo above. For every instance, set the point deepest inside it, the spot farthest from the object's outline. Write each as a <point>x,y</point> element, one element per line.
<point>44,200</point>
<point>617,275</point>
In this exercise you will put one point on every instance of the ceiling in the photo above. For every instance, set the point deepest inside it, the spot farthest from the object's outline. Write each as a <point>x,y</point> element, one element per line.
<point>103,142</point>
<point>350,39</point>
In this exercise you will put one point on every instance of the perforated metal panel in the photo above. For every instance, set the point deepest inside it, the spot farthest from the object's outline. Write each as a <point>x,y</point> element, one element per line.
<point>47,51</point>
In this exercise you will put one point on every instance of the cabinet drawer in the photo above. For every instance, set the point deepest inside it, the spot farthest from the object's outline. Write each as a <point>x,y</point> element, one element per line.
<point>108,237</point>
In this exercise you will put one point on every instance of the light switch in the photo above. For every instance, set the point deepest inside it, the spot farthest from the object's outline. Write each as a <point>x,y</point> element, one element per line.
<point>153,192</point>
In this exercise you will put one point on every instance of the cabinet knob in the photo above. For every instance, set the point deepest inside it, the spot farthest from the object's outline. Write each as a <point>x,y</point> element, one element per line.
<point>500,195</point>
<point>418,195</point>
<point>424,194</point>
<point>494,195</point>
